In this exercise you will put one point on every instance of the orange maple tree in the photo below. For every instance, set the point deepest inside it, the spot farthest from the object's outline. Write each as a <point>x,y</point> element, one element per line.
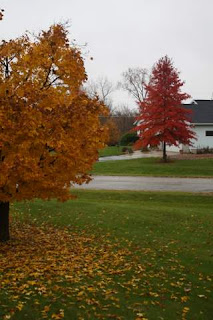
<point>50,130</point>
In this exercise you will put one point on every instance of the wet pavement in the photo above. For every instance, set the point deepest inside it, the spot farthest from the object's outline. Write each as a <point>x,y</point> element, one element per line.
<point>149,184</point>
<point>136,155</point>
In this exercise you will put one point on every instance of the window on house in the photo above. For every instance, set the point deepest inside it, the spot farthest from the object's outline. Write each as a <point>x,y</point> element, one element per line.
<point>209,133</point>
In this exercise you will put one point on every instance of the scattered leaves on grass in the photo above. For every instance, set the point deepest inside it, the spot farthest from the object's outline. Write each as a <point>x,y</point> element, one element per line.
<point>58,273</point>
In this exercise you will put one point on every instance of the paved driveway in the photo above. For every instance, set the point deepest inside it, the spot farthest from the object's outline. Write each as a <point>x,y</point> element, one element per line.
<point>149,184</point>
<point>137,154</point>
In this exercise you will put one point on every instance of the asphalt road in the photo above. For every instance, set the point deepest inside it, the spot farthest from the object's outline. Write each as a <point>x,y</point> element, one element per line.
<point>149,184</point>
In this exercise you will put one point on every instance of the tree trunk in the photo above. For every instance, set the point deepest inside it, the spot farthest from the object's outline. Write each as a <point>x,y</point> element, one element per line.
<point>164,152</point>
<point>4,221</point>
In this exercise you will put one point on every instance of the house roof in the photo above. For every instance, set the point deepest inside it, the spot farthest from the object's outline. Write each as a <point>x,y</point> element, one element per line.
<point>202,111</point>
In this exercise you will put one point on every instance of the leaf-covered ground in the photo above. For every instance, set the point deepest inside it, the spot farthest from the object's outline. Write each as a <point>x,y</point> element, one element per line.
<point>58,272</point>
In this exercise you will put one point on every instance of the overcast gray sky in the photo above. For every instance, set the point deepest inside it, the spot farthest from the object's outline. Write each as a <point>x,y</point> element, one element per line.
<point>128,33</point>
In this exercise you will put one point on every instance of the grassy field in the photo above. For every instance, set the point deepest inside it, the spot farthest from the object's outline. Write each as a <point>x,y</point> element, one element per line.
<point>110,255</point>
<point>111,151</point>
<point>154,167</point>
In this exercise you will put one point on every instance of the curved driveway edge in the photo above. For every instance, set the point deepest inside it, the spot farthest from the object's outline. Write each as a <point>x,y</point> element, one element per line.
<point>149,184</point>
<point>137,155</point>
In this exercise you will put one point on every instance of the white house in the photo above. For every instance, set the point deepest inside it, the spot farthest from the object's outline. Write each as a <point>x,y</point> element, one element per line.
<point>202,120</point>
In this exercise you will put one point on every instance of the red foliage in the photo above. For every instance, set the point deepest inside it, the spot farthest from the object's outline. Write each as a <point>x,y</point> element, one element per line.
<point>162,117</point>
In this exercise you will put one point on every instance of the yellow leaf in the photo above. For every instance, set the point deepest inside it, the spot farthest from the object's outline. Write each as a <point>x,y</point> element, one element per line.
<point>20,306</point>
<point>185,309</point>
<point>46,309</point>
<point>184,298</point>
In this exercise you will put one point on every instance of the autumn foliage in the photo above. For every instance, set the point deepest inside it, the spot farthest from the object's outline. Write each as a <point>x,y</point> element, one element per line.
<point>50,130</point>
<point>113,132</point>
<point>162,117</point>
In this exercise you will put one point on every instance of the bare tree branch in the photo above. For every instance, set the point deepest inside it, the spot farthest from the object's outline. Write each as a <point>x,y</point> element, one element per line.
<point>101,88</point>
<point>47,76</point>
<point>134,82</point>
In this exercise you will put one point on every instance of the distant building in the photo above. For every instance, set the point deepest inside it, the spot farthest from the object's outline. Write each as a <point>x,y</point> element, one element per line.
<point>202,120</point>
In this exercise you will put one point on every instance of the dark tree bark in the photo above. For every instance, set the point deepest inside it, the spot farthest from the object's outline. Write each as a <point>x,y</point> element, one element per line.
<point>164,152</point>
<point>4,221</point>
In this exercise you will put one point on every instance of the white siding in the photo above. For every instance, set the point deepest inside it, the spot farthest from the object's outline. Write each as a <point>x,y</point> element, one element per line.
<point>202,140</point>
<point>174,148</point>
<point>184,148</point>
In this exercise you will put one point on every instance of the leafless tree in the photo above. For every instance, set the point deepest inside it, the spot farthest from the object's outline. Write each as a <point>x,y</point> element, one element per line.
<point>103,88</point>
<point>125,111</point>
<point>124,117</point>
<point>134,82</point>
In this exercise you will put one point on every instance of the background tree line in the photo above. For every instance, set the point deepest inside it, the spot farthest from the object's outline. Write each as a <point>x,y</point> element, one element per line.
<point>121,119</point>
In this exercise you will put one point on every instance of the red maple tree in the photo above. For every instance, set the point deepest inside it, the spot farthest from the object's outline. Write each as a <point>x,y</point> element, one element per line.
<point>163,119</point>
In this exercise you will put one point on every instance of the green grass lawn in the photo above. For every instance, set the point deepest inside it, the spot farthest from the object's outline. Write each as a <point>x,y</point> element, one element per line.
<point>110,255</point>
<point>154,167</point>
<point>111,151</point>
